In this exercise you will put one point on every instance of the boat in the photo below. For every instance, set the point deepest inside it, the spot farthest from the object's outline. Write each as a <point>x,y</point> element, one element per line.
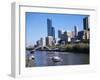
<point>56,59</point>
<point>32,57</point>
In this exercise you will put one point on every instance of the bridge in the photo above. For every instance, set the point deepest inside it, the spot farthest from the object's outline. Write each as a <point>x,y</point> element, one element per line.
<point>41,48</point>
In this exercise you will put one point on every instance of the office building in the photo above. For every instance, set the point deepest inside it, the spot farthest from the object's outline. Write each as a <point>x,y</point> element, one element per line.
<point>86,29</point>
<point>49,25</point>
<point>59,34</point>
<point>70,36</point>
<point>49,41</point>
<point>53,32</point>
<point>75,32</point>
<point>50,29</point>
<point>80,35</point>
<point>64,38</point>
<point>85,23</point>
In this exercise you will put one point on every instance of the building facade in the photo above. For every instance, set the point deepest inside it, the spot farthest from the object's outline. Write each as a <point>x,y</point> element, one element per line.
<point>64,38</point>
<point>50,29</point>
<point>86,29</point>
<point>49,41</point>
<point>75,32</point>
<point>59,34</point>
<point>85,23</point>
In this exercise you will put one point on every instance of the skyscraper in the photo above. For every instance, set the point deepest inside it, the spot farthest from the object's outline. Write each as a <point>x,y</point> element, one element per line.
<point>75,31</point>
<point>59,33</point>
<point>49,25</point>
<point>50,28</point>
<point>86,28</point>
<point>53,32</point>
<point>85,23</point>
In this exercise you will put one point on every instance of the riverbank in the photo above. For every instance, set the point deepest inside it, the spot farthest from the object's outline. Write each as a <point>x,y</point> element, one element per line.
<point>76,48</point>
<point>80,47</point>
<point>72,47</point>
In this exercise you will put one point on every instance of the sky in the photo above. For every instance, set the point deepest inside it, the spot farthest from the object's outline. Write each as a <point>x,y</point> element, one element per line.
<point>36,24</point>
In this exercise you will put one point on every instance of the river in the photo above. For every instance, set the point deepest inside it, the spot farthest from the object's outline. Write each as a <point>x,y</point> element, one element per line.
<point>44,58</point>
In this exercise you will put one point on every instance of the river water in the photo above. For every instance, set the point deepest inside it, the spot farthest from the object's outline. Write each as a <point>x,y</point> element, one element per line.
<point>44,58</point>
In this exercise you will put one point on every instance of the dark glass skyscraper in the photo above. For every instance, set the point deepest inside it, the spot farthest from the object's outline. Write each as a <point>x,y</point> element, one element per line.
<point>85,23</point>
<point>50,28</point>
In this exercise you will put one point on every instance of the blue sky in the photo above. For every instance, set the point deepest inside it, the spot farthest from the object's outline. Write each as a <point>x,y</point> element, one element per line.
<point>36,24</point>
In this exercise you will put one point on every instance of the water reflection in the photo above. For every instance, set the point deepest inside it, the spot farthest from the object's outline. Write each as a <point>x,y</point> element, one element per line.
<point>45,58</point>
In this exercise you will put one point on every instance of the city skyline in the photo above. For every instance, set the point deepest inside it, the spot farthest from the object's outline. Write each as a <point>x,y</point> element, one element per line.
<point>36,24</point>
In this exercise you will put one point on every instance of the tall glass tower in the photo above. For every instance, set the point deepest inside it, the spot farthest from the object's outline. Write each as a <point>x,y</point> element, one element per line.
<point>50,28</point>
<point>85,23</point>
<point>75,31</point>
